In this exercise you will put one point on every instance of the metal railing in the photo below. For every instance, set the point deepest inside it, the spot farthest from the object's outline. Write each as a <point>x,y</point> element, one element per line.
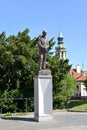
<point>14,100</point>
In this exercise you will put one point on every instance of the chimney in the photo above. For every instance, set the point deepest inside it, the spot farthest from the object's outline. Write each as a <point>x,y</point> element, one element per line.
<point>78,69</point>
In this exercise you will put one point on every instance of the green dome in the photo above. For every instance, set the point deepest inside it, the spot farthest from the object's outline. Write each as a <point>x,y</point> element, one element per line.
<point>61,46</point>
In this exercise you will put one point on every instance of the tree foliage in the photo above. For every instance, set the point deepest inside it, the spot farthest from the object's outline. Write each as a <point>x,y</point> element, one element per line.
<point>63,83</point>
<point>85,83</point>
<point>19,62</point>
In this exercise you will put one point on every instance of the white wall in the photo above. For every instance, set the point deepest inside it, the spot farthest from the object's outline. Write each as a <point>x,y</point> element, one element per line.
<point>81,89</point>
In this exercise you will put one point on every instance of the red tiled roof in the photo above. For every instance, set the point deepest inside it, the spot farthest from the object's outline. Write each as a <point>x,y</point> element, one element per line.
<point>78,76</point>
<point>81,78</point>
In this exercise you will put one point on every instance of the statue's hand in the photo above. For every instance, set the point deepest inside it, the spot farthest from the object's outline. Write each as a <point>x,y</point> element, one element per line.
<point>45,48</point>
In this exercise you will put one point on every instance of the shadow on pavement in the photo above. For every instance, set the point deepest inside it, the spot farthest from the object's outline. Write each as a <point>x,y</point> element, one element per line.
<point>19,119</point>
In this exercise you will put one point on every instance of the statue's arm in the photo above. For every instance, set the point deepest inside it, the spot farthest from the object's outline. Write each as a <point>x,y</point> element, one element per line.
<point>40,43</point>
<point>47,45</point>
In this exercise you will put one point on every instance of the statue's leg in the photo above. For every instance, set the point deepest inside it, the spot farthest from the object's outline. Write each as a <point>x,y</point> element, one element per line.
<point>44,61</point>
<point>41,62</point>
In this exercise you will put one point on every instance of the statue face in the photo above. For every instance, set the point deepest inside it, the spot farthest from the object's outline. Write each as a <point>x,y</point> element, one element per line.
<point>44,33</point>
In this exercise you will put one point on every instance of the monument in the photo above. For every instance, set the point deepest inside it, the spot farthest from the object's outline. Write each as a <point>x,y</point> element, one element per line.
<point>43,84</point>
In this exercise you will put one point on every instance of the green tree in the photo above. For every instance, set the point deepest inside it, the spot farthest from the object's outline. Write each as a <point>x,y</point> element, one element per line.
<point>85,83</point>
<point>68,85</point>
<point>60,70</point>
<point>19,62</point>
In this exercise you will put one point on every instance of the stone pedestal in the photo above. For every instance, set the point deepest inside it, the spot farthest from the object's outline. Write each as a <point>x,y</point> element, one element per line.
<point>43,96</point>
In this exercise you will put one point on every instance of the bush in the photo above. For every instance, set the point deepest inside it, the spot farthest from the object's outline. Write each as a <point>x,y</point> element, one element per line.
<point>59,102</point>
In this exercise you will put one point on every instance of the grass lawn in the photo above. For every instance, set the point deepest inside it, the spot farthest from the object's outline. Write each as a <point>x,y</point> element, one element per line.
<point>78,105</point>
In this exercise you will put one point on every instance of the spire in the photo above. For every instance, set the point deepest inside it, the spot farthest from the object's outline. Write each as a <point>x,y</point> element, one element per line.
<point>61,47</point>
<point>83,69</point>
<point>60,36</point>
<point>60,32</point>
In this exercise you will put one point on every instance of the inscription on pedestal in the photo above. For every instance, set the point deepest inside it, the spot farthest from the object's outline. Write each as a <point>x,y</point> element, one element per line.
<point>44,72</point>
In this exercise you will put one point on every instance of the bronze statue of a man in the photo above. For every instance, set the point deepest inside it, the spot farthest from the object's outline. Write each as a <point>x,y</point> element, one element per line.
<point>43,49</point>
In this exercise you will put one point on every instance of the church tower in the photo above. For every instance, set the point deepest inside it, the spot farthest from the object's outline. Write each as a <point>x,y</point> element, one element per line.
<point>61,47</point>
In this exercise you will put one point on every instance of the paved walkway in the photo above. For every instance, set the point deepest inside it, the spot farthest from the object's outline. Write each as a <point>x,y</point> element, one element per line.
<point>62,120</point>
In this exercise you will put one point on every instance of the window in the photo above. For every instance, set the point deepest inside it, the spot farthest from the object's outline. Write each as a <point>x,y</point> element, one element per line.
<point>62,55</point>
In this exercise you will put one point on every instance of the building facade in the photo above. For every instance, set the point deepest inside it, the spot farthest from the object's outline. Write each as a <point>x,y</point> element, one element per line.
<point>80,76</point>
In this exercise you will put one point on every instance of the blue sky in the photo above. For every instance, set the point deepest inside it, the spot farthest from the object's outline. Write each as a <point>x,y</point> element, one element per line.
<point>37,15</point>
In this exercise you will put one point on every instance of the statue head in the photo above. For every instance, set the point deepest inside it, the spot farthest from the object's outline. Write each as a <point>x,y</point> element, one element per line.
<point>44,33</point>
